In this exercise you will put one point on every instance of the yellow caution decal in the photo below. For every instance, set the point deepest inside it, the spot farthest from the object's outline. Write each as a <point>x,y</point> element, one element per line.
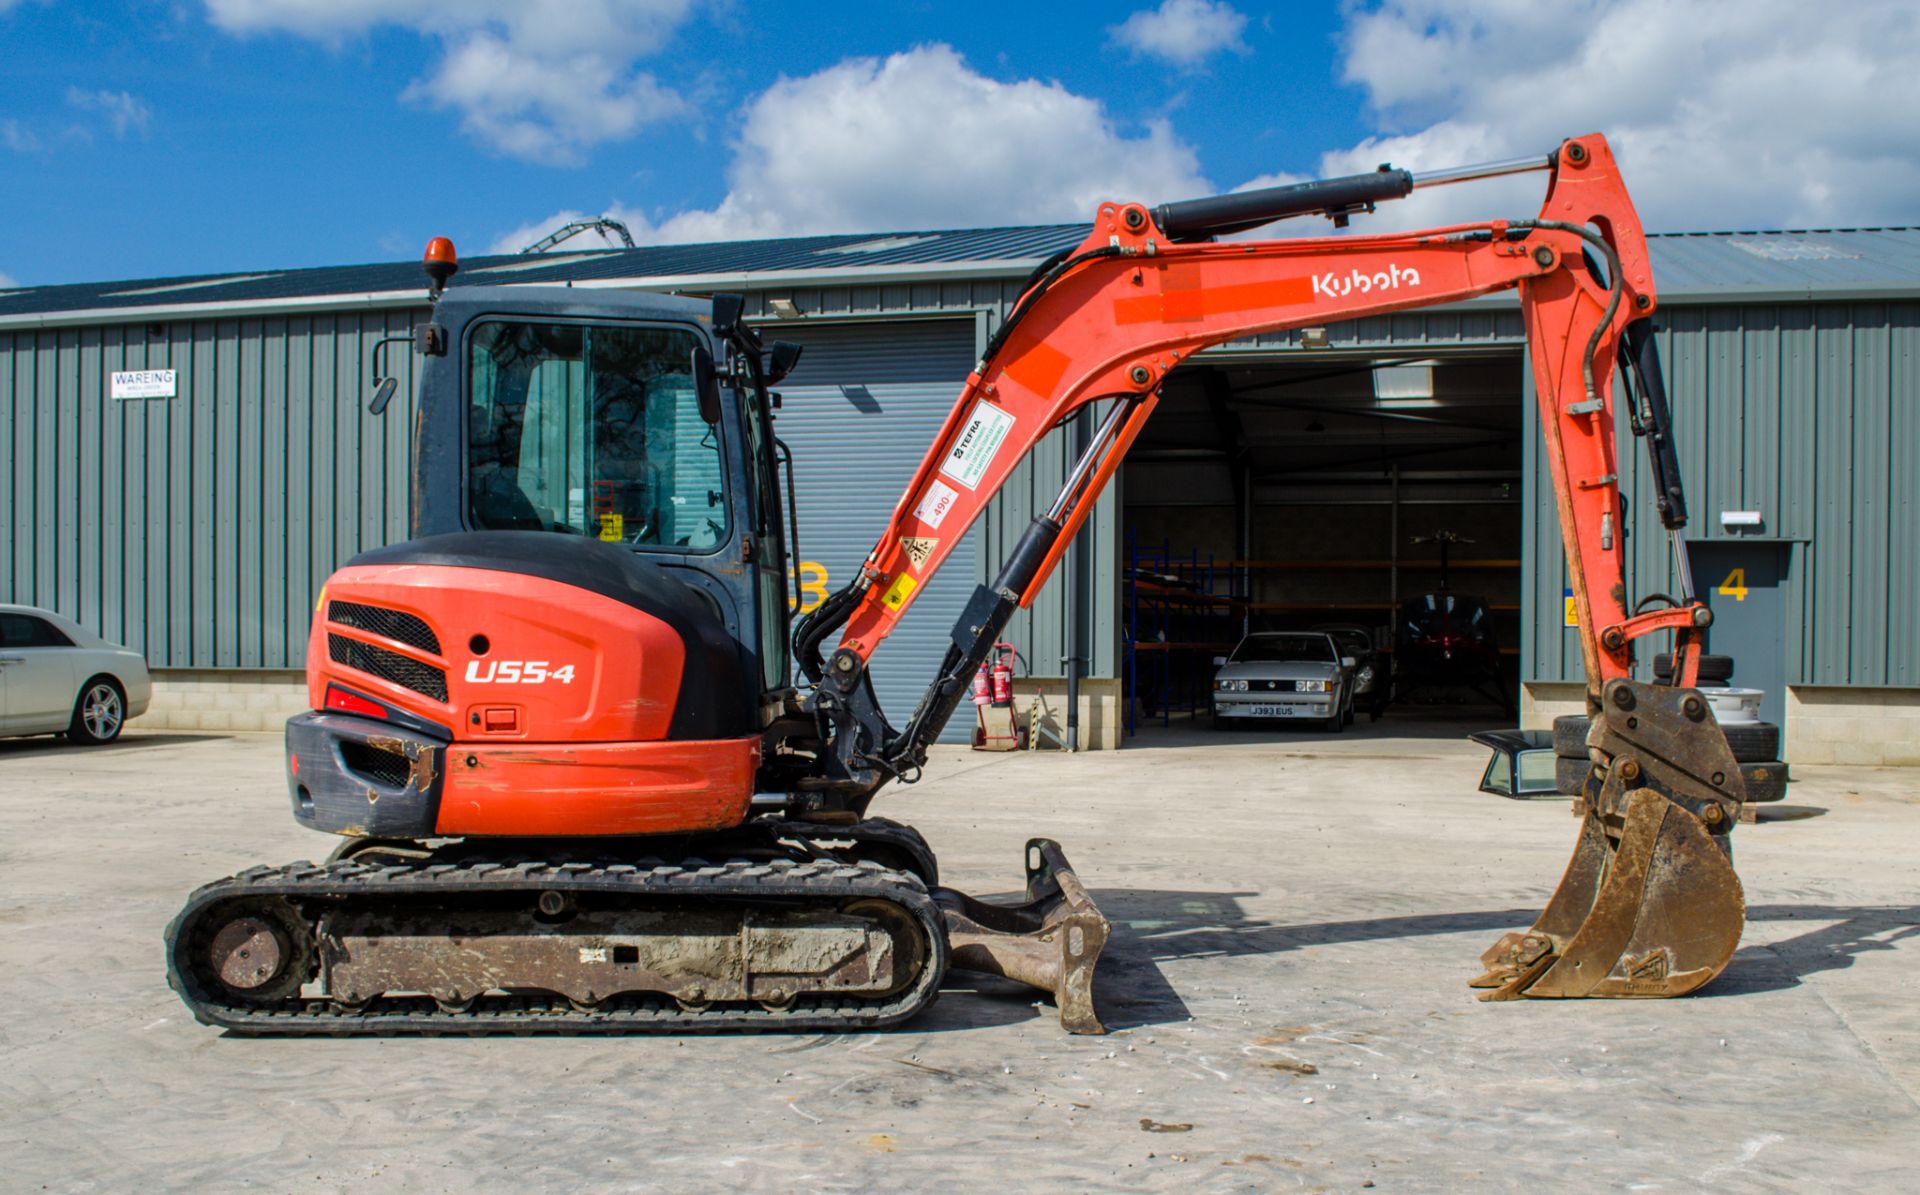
<point>900,591</point>
<point>321,600</point>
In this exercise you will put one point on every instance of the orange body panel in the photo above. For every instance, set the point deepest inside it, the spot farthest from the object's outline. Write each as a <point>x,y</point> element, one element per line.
<point>584,668</point>
<point>560,701</point>
<point>568,789</point>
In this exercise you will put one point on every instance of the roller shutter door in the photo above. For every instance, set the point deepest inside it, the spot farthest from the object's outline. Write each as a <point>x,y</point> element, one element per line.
<point>859,412</point>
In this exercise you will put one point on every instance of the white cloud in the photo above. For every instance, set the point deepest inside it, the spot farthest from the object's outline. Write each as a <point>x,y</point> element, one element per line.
<point>18,139</point>
<point>1723,113</point>
<point>124,112</point>
<point>543,108</point>
<point>921,140</point>
<point>7,282</point>
<point>543,80</point>
<point>1183,32</point>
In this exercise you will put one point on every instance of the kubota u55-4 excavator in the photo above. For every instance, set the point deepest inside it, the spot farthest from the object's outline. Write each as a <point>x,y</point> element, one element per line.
<point>581,790</point>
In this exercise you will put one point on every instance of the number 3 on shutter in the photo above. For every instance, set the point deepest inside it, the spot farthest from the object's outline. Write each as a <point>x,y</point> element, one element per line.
<point>1735,586</point>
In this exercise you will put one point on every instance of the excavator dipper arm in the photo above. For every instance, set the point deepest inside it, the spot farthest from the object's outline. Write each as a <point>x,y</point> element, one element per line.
<point>1107,322</point>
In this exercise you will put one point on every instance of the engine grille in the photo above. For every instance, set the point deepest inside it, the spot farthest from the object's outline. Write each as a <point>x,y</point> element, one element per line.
<point>388,624</point>
<point>424,679</point>
<point>371,763</point>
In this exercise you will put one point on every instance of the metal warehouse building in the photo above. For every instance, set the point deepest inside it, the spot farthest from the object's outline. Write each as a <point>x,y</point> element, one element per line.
<point>1302,478</point>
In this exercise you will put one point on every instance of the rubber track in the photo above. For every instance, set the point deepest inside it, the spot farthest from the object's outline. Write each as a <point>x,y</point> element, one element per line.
<point>878,830</point>
<point>391,886</point>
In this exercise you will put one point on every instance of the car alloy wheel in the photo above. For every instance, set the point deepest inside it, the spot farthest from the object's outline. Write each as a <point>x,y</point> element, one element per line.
<point>101,713</point>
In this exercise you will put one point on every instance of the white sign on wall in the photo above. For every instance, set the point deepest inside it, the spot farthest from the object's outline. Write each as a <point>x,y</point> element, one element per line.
<point>144,383</point>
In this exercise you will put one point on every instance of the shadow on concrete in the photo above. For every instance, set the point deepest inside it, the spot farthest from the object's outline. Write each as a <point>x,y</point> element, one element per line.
<point>1152,927</point>
<point>45,746</point>
<point>1846,932</point>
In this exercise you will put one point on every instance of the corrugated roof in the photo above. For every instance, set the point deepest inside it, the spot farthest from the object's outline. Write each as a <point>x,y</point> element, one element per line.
<point>1811,263</point>
<point>1812,260</point>
<point>847,252</point>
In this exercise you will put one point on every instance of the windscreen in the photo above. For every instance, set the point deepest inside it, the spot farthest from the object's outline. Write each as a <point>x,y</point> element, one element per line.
<point>595,431</point>
<point>1285,649</point>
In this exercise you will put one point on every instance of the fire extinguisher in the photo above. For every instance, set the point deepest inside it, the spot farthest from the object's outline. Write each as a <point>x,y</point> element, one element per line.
<point>1003,674</point>
<point>982,687</point>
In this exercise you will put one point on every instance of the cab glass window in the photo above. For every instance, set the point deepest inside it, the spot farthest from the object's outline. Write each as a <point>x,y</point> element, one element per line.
<point>595,431</point>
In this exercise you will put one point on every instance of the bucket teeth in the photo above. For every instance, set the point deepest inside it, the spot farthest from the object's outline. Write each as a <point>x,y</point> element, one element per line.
<point>1650,905</point>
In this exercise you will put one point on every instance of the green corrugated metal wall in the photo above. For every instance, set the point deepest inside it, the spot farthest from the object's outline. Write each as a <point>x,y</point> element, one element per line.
<point>198,529</point>
<point>1810,414</point>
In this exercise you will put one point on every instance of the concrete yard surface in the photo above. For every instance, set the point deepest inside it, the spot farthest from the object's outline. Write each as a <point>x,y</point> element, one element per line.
<point>1295,918</point>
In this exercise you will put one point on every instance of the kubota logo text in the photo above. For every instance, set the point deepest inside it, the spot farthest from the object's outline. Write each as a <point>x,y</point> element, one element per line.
<point>517,672</point>
<point>1336,286</point>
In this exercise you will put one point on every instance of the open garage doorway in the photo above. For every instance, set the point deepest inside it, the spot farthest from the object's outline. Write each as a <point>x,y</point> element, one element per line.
<point>1374,498</point>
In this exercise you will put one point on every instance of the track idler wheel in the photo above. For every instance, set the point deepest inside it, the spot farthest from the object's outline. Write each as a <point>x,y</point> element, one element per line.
<point>259,952</point>
<point>1650,904</point>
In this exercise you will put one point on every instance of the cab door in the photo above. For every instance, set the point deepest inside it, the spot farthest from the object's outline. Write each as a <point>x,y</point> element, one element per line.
<point>37,662</point>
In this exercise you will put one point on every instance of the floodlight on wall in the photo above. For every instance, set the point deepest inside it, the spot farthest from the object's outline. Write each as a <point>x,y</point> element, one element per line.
<point>784,308</point>
<point>1314,338</point>
<point>1740,518</point>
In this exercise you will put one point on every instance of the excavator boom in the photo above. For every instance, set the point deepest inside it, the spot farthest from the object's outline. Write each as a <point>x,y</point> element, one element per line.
<point>1651,905</point>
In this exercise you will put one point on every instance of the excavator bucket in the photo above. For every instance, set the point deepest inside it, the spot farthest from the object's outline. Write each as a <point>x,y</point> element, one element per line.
<point>1650,904</point>
<point>1052,941</point>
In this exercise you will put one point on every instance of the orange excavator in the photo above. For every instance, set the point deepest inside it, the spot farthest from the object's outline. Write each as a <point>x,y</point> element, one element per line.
<point>581,786</point>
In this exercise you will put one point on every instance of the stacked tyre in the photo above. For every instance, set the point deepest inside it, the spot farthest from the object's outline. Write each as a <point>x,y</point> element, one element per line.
<point>1756,745</point>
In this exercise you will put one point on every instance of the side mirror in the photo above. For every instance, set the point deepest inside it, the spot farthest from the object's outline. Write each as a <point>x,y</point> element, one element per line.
<point>727,310</point>
<point>382,396</point>
<point>1219,661</point>
<point>706,385</point>
<point>781,360</point>
<point>1346,661</point>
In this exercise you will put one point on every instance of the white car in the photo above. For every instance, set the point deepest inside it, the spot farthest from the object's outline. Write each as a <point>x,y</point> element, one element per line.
<point>1287,674</point>
<point>56,678</point>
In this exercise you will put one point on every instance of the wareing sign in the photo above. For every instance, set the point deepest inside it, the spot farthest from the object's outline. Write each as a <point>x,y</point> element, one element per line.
<point>143,383</point>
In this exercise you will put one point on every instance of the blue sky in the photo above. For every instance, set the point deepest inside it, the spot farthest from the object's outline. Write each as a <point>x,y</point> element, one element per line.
<point>146,138</point>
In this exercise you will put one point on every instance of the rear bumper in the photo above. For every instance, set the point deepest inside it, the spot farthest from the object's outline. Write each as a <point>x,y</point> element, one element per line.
<point>354,776</point>
<point>138,683</point>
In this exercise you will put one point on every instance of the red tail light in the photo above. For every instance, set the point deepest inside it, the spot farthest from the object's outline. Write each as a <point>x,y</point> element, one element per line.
<point>341,701</point>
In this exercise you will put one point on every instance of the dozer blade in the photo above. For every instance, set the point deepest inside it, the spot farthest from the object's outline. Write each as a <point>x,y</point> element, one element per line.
<point>1051,942</point>
<point>1650,904</point>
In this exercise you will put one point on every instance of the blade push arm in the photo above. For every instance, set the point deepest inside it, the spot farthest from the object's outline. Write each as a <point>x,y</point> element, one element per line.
<point>1109,321</point>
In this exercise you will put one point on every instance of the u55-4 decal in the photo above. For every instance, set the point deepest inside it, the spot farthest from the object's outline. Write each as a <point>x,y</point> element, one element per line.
<point>517,672</point>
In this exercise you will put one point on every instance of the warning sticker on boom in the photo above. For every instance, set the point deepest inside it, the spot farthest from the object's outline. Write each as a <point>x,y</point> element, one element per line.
<point>986,429</point>
<point>934,507</point>
<point>902,589</point>
<point>918,549</point>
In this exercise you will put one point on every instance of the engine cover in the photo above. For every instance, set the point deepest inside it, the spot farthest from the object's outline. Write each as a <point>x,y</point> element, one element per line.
<point>568,688</point>
<point>527,636</point>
